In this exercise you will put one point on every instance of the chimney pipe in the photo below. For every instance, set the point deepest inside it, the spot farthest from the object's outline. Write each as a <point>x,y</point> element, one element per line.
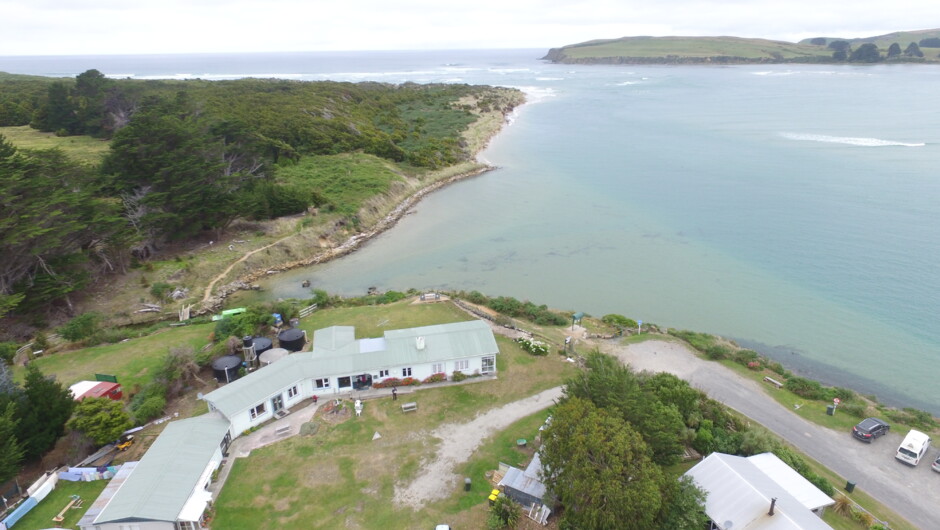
<point>773,502</point>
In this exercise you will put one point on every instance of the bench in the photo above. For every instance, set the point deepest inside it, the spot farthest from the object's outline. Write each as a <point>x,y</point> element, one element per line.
<point>773,381</point>
<point>281,431</point>
<point>409,407</point>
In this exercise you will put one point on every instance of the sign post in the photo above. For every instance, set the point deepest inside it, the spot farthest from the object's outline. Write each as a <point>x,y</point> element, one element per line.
<point>639,327</point>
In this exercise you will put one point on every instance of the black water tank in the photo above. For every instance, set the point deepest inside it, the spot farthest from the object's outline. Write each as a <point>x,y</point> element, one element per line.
<point>292,339</point>
<point>226,368</point>
<point>262,344</point>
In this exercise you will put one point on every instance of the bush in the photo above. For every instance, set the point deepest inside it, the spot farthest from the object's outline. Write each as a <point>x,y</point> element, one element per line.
<point>745,357</point>
<point>150,409</point>
<point>435,378</point>
<point>160,290</point>
<point>534,347</point>
<point>476,297</point>
<point>717,352</point>
<point>389,382</point>
<point>855,408</point>
<point>7,351</point>
<point>805,388</point>
<point>458,376</point>
<point>80,327</point>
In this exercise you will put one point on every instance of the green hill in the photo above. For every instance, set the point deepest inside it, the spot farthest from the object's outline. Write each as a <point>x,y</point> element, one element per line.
<point>728,50</point>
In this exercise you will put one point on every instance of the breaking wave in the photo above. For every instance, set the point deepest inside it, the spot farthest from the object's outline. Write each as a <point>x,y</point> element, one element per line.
<point>848,140</point>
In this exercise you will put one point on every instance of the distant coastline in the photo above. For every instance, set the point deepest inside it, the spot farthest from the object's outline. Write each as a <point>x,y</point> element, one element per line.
<point>917,47</point>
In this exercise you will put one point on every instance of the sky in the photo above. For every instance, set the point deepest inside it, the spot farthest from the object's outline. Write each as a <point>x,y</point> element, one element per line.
<point>91,27</point>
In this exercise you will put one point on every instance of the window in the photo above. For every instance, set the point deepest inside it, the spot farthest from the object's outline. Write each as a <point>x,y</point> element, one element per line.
<point>462,365</point>
<point>383,373</point>
<point>406,372</point>
<point>322,383</point>
<point>489,364</point>
<point>291,392</point>
<point>437,368</point>
<point>257,411</point>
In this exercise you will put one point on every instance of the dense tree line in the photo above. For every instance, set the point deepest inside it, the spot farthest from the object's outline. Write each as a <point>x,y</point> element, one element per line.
<point>186,157</point>
<point>615,431</point>
<point>32,417</point>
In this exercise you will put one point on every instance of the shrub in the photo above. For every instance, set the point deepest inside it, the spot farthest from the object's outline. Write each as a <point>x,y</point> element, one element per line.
<point>717,352</point>
<point>410,381</point>
<point>535,347</point>
<point>150,409</point>
<point>435,378</point>
<point>619,321</point>
<point>389,382</point>
<point>476,297</point>
<point>805,388</point>
<point>855,408</point>
<point>80,327</point>
<point>754,365</point>
<point>745,357</point>
<point>160,290</point>
<point>7,351</point>
<point>778,369</point>
<point>458,376</point>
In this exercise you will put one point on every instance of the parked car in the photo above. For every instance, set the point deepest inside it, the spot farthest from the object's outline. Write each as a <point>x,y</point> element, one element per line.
<point>913,448</point>
<point>869,429</point>
<point>936,464</point>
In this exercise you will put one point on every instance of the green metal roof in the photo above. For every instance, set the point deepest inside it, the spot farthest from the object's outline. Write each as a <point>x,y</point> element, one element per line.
<point>169,472</point>
<point>442,342</point>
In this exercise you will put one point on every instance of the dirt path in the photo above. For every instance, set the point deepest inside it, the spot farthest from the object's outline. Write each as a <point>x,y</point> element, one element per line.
<point>910,492</point>
<point>437,478</point>
<point>208,293</point>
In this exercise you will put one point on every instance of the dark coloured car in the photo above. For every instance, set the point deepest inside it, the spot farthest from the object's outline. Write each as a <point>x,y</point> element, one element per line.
<point>869,429</point>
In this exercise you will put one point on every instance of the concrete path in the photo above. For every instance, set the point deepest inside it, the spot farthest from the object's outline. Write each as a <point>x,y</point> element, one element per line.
<point>913,493</point>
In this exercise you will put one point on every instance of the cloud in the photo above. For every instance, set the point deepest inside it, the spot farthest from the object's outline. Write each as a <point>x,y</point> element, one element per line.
<point>40,27</point>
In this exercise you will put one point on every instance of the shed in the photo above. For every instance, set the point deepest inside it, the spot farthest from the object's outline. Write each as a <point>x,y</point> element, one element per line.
<point>742,490</point>
<point>96,389</point>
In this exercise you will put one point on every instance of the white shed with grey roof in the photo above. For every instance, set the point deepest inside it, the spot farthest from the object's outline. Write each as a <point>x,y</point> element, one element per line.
<point>167,489</point>
<point>756,493</point>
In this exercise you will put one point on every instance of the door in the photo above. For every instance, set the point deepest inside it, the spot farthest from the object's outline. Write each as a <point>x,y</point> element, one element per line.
<point>345,382</point>
<point>277,403</point>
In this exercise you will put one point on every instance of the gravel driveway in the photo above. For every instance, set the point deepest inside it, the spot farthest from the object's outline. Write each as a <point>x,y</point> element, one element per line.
<point>914,493</point>
<point>437,478</point>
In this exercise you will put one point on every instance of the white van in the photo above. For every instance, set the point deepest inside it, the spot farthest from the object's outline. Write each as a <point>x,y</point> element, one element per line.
<point>913,448</point>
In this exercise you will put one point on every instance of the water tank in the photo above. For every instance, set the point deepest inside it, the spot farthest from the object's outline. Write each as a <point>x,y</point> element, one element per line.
<point>262,344</point>
<point>272,355</point>
<point>226,368</point>
<point>292,339</point>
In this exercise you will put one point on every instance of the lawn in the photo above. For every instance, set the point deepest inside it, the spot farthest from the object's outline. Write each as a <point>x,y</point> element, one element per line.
<point>82,148</point>
<point>41,516</point>
<point>341,477</point>
<point>133,361</point>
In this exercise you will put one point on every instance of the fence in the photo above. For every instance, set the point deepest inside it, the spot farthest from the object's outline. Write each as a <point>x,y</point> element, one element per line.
<point>307,311</point>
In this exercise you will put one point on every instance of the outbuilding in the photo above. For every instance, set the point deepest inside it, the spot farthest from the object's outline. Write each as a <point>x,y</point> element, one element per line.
<point>168,488</point>
<point>758,492</point>
<point>96,389</point>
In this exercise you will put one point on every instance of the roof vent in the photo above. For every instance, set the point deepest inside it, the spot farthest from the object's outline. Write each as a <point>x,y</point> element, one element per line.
<point>419,343</point>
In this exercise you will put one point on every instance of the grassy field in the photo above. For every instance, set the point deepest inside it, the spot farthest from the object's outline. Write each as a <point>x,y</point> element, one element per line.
<point>649,48</point>
<point>341,477</point>
<point>694,47</point>
<point>82,148</point>
<point>41,516</point>
<point>133,361</point>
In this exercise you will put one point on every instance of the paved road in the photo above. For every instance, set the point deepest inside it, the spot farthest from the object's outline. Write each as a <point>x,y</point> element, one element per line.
<point>914,493</point>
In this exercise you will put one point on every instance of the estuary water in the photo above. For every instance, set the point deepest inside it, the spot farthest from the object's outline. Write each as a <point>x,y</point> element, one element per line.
<point>793,208</point>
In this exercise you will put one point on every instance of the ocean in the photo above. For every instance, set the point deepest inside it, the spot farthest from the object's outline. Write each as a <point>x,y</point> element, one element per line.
<point>792,208</point>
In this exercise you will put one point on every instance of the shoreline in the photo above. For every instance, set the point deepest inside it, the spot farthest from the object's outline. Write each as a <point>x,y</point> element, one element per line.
<point>212,301</point>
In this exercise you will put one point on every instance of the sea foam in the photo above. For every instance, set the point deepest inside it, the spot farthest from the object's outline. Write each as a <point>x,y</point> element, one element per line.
<point>848,140</point>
